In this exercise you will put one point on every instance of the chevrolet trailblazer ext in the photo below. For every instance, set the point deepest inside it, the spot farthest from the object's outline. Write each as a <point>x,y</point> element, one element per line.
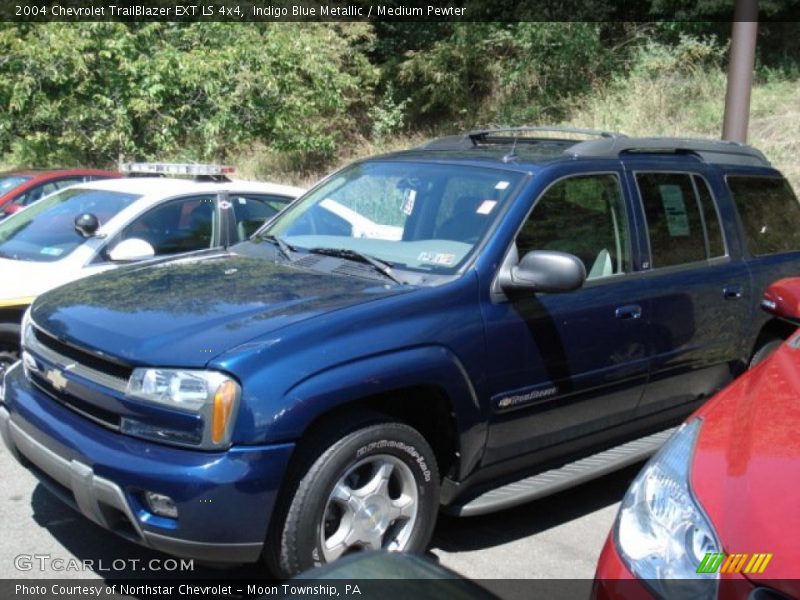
<point>533,312</point>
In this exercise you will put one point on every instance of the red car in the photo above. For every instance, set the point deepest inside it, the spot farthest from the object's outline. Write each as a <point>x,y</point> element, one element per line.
<point>716,512</point>
<point>20,188</point>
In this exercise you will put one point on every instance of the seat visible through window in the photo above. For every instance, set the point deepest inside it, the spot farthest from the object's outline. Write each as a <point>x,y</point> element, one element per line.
<point>467,223</point>
<point>582,216</point>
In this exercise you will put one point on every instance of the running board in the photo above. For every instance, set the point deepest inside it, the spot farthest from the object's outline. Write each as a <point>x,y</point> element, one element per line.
<point>555,480</point>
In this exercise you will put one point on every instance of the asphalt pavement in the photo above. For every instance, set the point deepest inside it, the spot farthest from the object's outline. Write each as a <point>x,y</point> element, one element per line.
<point>559,537</point>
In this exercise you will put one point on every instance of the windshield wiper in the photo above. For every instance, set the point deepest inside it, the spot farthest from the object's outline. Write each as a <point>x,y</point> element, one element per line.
<point>285,248</point>
<point>384,268</point>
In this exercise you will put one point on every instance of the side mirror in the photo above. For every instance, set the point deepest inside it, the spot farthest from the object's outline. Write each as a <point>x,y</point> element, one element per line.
<point>782,299</point>
<point>130,250</point>
<point>87,224</point>
<point>545,271</point>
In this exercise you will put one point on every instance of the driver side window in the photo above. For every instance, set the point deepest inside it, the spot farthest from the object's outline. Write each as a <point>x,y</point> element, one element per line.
<point>182,225</point>
<point>584,216</point>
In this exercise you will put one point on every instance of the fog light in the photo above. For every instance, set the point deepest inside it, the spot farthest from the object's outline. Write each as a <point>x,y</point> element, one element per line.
<point>161,505</point>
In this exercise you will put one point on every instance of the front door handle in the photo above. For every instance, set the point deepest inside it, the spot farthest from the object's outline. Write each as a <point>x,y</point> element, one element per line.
<point>629,311</point>
<point>732,292</point>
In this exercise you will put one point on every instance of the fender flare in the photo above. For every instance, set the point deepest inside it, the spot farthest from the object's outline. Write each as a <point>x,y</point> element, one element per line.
<point>349,382</point>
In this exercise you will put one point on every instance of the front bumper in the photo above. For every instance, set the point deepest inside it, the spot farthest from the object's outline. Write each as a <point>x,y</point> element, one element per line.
<point>614,581</point>
<point>224,499</point>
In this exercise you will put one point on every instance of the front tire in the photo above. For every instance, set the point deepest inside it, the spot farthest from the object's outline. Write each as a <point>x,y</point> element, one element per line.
<point>376,487</point>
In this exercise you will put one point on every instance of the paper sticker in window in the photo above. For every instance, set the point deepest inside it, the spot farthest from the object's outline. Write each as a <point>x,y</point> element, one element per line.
<point>486,207</point>
<point>408,202</point>
<point>437,258</point>
<point>674,210</point>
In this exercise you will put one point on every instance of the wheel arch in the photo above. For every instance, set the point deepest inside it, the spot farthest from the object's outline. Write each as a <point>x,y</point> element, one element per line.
<point>425,387</point>
<point>773,328</point>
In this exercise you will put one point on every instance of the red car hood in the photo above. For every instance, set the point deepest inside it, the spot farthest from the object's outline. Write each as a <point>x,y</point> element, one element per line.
<point>746,469</point>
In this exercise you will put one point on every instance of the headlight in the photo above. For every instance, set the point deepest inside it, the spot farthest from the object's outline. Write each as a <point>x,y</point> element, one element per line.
<point>662,532</point>
<point>212,395</point>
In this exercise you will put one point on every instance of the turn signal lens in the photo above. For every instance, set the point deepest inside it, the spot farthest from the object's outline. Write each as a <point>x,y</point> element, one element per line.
<point>223,408</point>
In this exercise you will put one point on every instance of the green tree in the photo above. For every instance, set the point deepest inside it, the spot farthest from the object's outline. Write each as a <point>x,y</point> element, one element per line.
<point>510,72</point>
<point>91,92</point>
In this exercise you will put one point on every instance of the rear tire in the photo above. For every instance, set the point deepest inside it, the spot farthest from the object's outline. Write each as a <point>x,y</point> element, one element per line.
<point>368,486</point>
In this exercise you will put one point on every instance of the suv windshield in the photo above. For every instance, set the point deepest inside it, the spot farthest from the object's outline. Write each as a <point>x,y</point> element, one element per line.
<point>416,216</point>
<point>10,182</point>
<point>45,231</point>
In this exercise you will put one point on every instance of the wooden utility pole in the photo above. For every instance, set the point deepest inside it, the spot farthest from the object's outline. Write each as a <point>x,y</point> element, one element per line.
<point>740,71</point>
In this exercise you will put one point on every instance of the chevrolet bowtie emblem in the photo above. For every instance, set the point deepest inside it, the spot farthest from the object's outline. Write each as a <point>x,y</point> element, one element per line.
<point>57,379</point>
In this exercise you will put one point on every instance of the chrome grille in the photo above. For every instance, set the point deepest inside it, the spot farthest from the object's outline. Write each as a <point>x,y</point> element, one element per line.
<point>112,375</point>
<point>90,411</point>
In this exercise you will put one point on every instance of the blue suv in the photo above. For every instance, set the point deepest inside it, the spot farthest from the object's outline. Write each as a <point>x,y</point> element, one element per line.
<point>463,326</point>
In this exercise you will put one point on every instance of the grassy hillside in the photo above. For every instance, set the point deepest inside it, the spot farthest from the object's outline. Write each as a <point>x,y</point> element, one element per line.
<point>636,107</point>
<point>672,91</point>
<point>671,94</point>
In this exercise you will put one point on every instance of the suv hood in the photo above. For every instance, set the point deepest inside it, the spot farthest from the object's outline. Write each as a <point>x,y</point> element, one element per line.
<point>185,312</point>
<point>747,465</point>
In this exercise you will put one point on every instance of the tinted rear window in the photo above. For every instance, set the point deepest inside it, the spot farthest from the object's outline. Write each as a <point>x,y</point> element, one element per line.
<point>674,222</point>
<point>769,212</point>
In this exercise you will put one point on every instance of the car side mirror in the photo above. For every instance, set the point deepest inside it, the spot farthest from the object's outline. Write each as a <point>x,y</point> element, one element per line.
<point>782,299</point>
<point>545,271</point>
<point>87,224</point>
<point>130,250</point>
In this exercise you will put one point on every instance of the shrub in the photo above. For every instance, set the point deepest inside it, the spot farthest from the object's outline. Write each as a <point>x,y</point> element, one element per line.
<point>668,90</point>
<point>92,92</point>
<point>511,72</point>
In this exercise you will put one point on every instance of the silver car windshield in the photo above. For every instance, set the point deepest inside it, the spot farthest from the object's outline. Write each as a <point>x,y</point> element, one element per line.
<point>425,217</point>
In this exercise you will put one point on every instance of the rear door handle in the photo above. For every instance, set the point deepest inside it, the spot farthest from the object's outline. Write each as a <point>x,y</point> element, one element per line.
<point>732,292</point>
<point>629,311</point>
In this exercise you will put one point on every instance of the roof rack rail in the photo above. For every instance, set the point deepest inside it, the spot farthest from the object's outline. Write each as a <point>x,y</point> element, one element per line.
<point>475,137</point>
<point>448,142</point>
<point>709,150</point>
<point>481,135</point>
